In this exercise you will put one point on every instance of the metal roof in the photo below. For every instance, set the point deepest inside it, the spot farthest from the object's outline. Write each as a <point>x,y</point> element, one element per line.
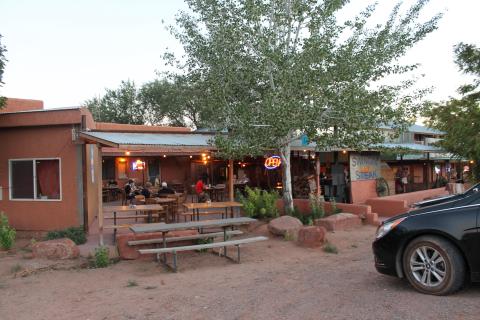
<point>153,139</point>
<point>416,128</point>
<point>410,146</point>
<point>119,139</point>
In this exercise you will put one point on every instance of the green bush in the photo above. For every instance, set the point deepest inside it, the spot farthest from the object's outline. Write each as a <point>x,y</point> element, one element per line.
<point>7,233</point>
<point>259,203</point>
<point>317,206</point>
<point>102,259</point>
<point>76,234</point>
<point>335,210</point>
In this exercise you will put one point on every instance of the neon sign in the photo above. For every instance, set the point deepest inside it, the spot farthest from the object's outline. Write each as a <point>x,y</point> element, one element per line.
<point>273,162</point>
<point>138,165</point>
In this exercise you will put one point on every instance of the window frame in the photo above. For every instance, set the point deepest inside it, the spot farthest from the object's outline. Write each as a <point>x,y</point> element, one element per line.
<point>34,179</point>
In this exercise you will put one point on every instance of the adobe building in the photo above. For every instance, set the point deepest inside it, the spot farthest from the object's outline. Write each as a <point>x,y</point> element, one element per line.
<point>45,180</point>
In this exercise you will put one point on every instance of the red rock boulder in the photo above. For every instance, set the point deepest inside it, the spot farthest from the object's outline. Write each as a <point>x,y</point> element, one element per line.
<point>284,225</point>
<point>340,221</point>
<point>311,236</point>
<point>57,249</point>
<point>127,252</point>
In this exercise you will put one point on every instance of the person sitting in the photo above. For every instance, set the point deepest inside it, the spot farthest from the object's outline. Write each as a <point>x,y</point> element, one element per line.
<point>146,191</point>
<point>199,189</point>
<point>130,190</point>
<point>165,189</point>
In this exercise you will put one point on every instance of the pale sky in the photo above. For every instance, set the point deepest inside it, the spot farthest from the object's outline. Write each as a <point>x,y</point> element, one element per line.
<point>64,52</point>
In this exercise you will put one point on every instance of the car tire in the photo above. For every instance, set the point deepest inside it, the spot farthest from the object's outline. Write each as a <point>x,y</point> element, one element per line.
<point>433,265</point>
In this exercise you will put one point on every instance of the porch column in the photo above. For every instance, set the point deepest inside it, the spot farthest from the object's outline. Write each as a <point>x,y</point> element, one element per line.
<point>230,180</point>
<point>98,167</point>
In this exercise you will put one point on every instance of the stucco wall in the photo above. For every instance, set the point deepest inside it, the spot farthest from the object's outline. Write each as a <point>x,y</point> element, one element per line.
<point>41,142</point>
<point>362,190</point>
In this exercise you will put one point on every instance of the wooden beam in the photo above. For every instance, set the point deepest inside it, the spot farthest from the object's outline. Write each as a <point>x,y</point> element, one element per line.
<point>98,176</point>
<point>231,195</point>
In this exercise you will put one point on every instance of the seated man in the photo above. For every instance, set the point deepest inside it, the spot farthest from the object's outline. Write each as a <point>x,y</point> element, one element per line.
<point>130,190</point>
<point>146,190</point>
<point>199,189</point>
<point>165,189</point>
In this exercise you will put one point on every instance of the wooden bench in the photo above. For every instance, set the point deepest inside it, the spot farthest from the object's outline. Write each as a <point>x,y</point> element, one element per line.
<point>202,213</point>
<point>222,244</point>
<point>193,237</point>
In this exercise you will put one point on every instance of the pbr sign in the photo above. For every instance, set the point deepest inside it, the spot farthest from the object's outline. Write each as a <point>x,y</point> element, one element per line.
<point>273,162</point>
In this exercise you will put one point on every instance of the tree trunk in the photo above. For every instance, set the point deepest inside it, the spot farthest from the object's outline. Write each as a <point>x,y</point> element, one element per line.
<point>286,178</point>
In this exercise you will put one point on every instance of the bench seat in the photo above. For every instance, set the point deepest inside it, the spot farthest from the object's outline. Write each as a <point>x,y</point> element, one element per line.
<point>192,237</point>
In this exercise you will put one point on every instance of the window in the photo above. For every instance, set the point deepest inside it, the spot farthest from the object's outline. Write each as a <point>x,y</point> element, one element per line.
<point>108,169</point>
<point>35,179</point>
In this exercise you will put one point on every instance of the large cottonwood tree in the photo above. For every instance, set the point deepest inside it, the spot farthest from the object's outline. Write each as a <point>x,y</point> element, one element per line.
<point>459,118</point>
<point>277,69</point>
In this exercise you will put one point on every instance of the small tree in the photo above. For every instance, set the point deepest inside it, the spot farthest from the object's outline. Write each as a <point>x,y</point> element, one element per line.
<point>460,118</point>
<point>273,70</point>
<point>7,233</point>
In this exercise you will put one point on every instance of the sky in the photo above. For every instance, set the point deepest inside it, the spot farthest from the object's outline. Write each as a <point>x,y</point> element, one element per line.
<point>65,52</point>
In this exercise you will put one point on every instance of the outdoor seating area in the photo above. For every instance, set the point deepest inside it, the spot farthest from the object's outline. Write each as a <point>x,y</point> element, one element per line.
<point>163,212</point>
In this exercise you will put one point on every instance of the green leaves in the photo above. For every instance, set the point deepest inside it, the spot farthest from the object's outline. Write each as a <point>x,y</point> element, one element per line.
<point>460,118</point>
<point>290,67</point>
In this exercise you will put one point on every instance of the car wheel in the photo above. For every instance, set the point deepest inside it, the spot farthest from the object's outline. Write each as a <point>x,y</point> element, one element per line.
<point>433,265</point>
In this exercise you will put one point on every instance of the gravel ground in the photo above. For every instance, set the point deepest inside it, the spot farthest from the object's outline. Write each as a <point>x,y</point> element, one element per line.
<point>276,280</point>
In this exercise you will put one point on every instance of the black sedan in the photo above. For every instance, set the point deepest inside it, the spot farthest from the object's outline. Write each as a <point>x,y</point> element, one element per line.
<point>435,247</point>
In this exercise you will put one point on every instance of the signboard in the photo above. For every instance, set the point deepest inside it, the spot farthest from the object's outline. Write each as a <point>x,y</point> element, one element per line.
<point>364,167</point>
<point>273,162</point>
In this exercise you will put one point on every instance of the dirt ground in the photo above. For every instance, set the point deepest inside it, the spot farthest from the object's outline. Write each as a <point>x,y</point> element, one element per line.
<point>276,280</point>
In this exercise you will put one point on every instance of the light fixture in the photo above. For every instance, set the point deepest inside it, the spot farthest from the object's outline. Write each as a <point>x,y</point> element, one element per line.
<point>204,161</point>
<point>304,150</point>
<point>204,155</point>
<point>127,153</point>
<point>164,155</point>
<point>208,157</point>
<point>472,162</point>
<point>344,151</point>
<point>121,160</point>
<point>191,157</point>
<point>313,156</point>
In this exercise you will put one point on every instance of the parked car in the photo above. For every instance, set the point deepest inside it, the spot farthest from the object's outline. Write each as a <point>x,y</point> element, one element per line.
<point>452,197</point>
<point>435,247</point>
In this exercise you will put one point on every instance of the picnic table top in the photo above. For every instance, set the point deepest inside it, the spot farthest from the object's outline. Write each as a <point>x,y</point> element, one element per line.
<point>141,207</point>
<point>162,227</point>
<point>204,205</point>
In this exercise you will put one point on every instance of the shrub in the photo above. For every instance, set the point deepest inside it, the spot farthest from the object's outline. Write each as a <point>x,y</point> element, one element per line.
<point>330,248</point>
<point>102,259</point>
<point>317,206</point>
<point>335,210</point>
<point>259,203</point>
<point>76,234</point>
<point>7,233</point>
<point>132,283</point>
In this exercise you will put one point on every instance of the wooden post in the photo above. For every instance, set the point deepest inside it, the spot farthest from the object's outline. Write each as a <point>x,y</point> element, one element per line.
<point>98,174</point>
<point>231,195</point>
<point>317,173</point>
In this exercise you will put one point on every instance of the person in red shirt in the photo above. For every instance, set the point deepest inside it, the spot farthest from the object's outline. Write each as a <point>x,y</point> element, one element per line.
<point>199,186</point>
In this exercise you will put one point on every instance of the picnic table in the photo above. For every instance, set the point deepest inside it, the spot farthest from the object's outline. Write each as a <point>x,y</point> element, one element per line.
<point>200,225</point>
<point>196,207</point>
<point>148,209</point>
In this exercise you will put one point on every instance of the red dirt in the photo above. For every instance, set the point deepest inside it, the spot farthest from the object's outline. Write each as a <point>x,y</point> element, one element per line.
<point>276,280</point>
